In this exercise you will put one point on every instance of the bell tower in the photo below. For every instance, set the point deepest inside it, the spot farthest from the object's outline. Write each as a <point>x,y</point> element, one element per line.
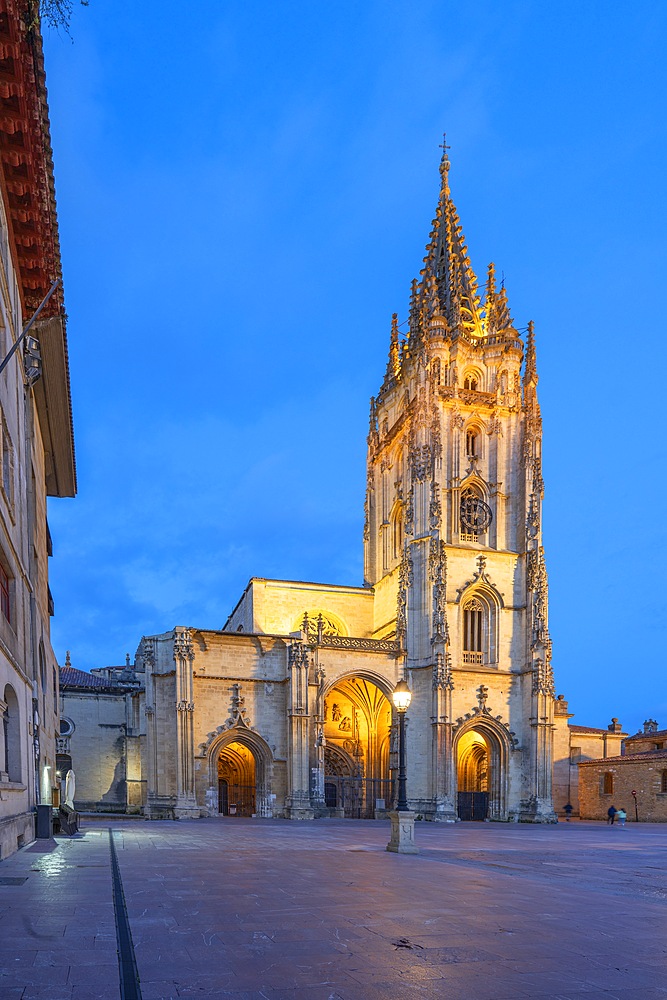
<point>453,540</point>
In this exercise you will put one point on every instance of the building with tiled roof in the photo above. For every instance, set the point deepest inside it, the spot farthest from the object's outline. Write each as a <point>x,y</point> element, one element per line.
<point>36,436</point>
<point>635,780</point>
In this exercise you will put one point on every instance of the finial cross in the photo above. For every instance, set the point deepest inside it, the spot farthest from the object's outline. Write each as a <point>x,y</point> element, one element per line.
<point>443,145</point>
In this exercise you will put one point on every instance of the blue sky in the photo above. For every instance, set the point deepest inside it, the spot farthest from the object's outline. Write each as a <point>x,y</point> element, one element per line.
<point>245,192</point>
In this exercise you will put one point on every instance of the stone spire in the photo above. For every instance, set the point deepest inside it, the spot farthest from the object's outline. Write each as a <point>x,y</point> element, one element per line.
<point>393,372</point>
<point>448,263</point>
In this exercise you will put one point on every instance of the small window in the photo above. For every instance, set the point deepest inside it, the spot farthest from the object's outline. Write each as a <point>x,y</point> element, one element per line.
<point>470,382</point>
<point>5,605</point>
<point>663,782</point>
<point>471,442</point>
<point>7,464</point>
<point>607,783</point>
<point>66,727</point>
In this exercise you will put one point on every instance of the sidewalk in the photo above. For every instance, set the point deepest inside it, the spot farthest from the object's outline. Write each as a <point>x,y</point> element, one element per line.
<point>265,909</point>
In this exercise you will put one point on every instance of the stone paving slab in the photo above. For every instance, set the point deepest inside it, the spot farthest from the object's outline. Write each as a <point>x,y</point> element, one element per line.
<point>266,909</point>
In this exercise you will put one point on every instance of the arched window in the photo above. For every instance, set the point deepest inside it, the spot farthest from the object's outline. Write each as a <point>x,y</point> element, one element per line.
<point>607,783</point>
<point>471,382</point>
<point>435,371</point>
<point>472,442</point>
<point>55,690</point>
<point>663,782</point>
<point>473,631</point>
<point>12,734</point>
<point>479,625</point>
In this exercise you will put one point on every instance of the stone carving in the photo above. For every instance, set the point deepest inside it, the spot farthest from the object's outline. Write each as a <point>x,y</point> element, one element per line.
<point>410,513</point>
<point>457,420</point>
<point>438,574</point>
<point>183,646</point>
<point>442,672</point>
<point>237,712</point>
<point>482,695</point>
<point>317,624</point>
<point>543,680</point>
<point>148,652</point>
<point>404,584</point>
<point>421,462</point>
<point>480,577</point>
<point>435,507</point>
<point>367,645</point>
<point>532,517</point>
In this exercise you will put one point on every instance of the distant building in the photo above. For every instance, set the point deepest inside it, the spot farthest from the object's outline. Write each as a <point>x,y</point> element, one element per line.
<point>641,769</point>
<point>99,730</point>
<point>36,438</point>
<point>574,744</point>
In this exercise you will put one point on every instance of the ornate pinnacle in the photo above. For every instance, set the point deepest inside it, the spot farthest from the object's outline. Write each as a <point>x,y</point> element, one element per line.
<point>530,370</point>
<point>68,662</point>
<point>444,164</point>
<point>393,372</point>
<point>490,283</point>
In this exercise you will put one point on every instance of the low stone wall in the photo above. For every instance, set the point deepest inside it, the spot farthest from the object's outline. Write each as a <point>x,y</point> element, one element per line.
<point>631,773</point>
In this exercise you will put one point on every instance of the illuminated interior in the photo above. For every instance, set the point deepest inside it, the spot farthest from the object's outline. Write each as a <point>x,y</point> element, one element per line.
<point>357,729</point>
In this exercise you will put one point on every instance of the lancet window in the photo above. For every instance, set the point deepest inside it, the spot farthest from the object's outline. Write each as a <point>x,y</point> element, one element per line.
<point>474,631</point>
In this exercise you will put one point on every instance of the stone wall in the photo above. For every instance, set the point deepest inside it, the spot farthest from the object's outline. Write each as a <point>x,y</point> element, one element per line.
<point>646,774</point>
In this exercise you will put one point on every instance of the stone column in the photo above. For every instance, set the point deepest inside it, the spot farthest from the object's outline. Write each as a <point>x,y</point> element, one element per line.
<point>298,791</point>
<point>186,804</point>
<point>443,764</point>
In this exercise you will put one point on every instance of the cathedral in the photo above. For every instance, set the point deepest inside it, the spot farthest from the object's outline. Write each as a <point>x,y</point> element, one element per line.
<point>286,711</point>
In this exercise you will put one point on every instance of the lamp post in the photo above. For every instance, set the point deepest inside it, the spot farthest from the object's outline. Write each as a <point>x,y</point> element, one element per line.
<point>402,840</point>
<point>401,698</point>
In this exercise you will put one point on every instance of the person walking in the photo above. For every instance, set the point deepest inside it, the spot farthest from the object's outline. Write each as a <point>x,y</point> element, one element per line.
<point>568,811</point>
<point>611,813</point>
<point>622,815</point>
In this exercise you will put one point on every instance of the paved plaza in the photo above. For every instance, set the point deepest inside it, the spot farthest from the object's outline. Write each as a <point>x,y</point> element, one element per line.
<point>268,909</point>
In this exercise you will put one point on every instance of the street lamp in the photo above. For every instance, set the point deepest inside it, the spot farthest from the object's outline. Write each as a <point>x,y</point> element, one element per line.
<point>401,698</point>
<point>402,840</point>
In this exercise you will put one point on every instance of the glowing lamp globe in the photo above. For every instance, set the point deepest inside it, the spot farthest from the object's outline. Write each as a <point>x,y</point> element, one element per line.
<point>401,696</point>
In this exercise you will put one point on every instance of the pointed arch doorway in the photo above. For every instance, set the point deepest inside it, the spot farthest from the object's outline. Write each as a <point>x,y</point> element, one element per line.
<point>241,770</point>
<point>481,764</point>
<point>357,730</point>
<point>236,781</point>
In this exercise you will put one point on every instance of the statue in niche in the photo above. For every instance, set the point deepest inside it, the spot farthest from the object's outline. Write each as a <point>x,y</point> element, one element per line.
<point>336,713</point>
<point>345,724</point>
<point>326,710</point>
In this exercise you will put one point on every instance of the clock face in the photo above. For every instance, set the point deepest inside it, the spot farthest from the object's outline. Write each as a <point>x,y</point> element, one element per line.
<point>476,516</point>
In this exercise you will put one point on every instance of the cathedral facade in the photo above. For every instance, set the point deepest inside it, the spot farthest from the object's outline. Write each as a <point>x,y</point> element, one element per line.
<point>287,710</point>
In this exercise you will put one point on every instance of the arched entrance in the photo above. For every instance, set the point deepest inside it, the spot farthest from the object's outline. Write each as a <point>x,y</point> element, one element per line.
<point>236,781</point>
<point>240,769</point>
<point>481,766</point>
<point>357,729</point>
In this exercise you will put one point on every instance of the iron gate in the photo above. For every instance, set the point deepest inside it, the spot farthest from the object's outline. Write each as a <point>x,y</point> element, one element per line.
<point>357,797</point>
<point>235,800</point>
<point>473,805</point>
